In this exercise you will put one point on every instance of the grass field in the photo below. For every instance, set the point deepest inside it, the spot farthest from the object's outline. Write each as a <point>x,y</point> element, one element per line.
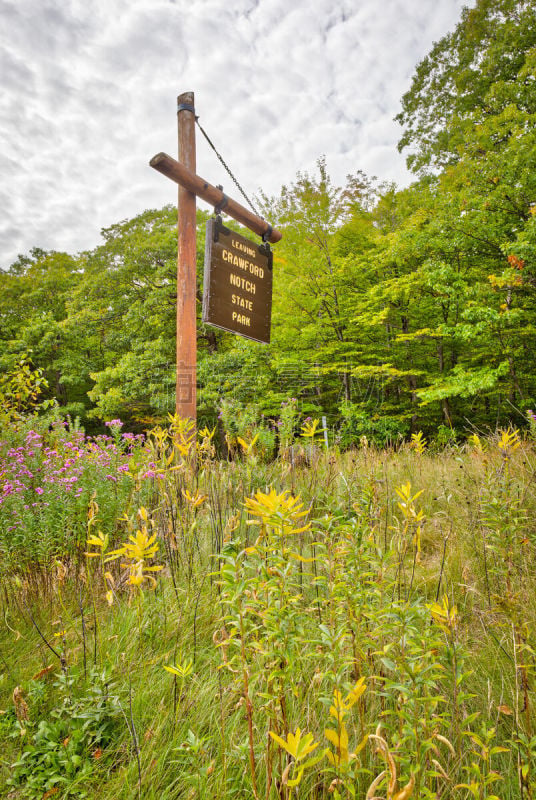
<point>349,625</point>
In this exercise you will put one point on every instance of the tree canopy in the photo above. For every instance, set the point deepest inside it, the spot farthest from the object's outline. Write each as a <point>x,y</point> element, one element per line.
<point>394,310</point>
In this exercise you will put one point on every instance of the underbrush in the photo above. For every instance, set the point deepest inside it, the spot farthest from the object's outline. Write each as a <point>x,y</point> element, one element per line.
<point>348,625</point>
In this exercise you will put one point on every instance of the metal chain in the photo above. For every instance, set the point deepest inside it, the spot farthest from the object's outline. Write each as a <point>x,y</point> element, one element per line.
<point>242,192</point>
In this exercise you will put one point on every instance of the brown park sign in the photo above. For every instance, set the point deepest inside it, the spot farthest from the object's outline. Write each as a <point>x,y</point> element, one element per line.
<point>237,291</point>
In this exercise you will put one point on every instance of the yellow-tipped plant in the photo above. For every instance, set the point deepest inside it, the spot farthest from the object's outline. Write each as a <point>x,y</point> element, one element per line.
<point>279,512</point>
<point>445,615</point>
<point>476,443</point>
<point>298,748</point>
<point>418,442</point>
<point>180,672</point>
<point>247,447</point>
<point>139,551</point>
<point>310,429</point>
<point>340,757</point>
<point>204,446</point>
<point>182,433</point>
<point>194,500</point>
<point>99,540</point>
<point>413,518</point>
<point>508,443</point>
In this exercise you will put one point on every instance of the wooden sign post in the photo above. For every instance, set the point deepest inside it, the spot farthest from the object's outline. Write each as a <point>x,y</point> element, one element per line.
<point>248,319</point>
<point>186,383</point>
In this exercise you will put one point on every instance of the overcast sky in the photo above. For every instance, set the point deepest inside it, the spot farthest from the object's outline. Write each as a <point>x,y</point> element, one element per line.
<point>89,91</point>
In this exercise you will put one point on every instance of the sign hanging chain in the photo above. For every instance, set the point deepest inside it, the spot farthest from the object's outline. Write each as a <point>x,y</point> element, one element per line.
<point>242,192</point>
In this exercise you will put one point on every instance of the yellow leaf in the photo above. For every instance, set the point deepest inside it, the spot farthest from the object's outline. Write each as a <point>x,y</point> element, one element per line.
<point>296,781</point>
<point>344,740</point>
<point>361,745</point>
<point>95,541</point>
<point>281,742</point>
<point>332,736</point>
<point>353,696</point>
<point>302,558</point>
<point>172,670</point>
<point>297,747</point>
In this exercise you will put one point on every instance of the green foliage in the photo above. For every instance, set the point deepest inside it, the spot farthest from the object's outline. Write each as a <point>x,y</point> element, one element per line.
<point>381,430</point>
<point>50,474</point>
<point>65,749</point>
<point>377,601</point>
<point>411,308</point>
<point>470,75</point>
<point>363,626</point>
<point>20,391</point>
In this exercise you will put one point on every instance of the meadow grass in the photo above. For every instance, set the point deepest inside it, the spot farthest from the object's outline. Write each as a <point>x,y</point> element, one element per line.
<point>380,602</point>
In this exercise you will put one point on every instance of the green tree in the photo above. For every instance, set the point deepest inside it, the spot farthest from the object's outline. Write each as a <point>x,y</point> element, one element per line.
<point>481,69</point>
<point>34,294</point>
<point>315,275</point>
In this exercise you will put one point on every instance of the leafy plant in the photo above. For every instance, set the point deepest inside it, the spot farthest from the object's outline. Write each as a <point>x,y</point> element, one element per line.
<point>65,750</point>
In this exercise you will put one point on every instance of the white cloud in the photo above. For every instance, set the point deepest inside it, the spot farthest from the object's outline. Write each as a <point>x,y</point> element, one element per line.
<point>89,88</point>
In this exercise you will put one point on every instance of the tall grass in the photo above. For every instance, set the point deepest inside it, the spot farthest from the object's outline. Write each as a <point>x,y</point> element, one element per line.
<point>362,625</point>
